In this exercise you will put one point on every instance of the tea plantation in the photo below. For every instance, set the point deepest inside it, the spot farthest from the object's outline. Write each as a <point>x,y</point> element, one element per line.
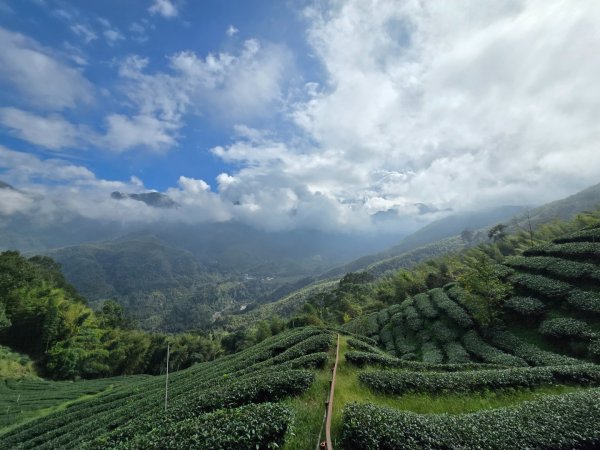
<point>233,402</point>
<point>545,342</point>
<point>426,373</point>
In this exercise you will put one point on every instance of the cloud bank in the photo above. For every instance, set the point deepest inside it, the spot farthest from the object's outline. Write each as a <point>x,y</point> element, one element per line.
<point>425,106</point>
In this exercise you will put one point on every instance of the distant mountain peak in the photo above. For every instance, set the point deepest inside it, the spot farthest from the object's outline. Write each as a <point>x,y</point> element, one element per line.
<point>4,185</point>
<point>153,198</point>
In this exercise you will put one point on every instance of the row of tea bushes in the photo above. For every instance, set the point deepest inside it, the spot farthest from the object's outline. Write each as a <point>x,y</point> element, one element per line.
<point>400,382</point>
<point>560,422</point>
<point>362,359</point>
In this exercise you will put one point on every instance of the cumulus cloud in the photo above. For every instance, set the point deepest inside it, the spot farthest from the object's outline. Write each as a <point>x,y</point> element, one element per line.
<point>424,107</point>
<point>52,132</point>
<point>125,133</point>
<point>426,103</point>
<point>232,86</point>
<point>39,75</point>
<point>121,132</point>
<point>54,189</point>
<point>165,8</point>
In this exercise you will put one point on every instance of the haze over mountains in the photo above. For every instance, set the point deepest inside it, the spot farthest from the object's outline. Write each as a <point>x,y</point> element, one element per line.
<point>176,276</point>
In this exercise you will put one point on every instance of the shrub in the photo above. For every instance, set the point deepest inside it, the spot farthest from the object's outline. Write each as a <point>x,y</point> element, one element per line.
<point>451,308</point>
<point>400,382</point>
<point>425,306</point>
<point>565,421</point>
<point>442,333</point>
<point>361,359</point>
<point>456,353</point>
<point>431,353</point>
<point>363,346</point>
<point>586,301</point>
<point>544,286</point>
<point>565,327</point>
<point>559,267</point>
<point>525,306</point>
<point>413,319</point>
<point>586,235</point>
<point>530,353</point>
<point>578,250</point>
<point>253,426</point>
<point>476,346</point>
<point>404,345</point>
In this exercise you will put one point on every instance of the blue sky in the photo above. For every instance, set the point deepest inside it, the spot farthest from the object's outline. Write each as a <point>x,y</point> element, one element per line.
<point>104,33</point>
<point>330,114</point>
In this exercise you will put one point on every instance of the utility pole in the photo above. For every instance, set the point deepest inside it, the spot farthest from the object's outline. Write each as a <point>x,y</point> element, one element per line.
<point>167,378</point>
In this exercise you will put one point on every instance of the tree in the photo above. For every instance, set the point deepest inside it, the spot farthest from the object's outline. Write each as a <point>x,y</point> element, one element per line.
<point>467,236</point>
<point>4,320</point>
<point>482,280</point>
<point>497,233</point>
<point>263,331</point>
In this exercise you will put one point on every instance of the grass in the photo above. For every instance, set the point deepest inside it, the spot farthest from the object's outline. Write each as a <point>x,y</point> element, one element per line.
<point>309,409</point>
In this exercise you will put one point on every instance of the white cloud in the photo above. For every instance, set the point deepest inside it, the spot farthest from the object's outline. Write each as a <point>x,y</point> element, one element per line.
<point>453,106</point>
<point>121,132</point>
<point>52,132</point>
<point>110,33</point>
<point>228,86</point>
<point>38,74</point>
<point>231,31</point>
<point>84,32</point>
<point>165,8</point>
<point>21,168</point>
<point>55,190</point>
<point>124,133</point>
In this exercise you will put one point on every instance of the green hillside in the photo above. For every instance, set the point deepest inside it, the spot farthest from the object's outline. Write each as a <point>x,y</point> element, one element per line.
<point>245,400</point>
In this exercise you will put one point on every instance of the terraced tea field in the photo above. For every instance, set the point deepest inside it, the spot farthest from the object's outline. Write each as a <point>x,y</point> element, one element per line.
<point>228,403</point>
<point>422,374</point>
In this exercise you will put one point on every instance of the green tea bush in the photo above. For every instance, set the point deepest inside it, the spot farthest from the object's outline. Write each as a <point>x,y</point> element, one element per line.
<point>263,387</point>
<point>456,353</point>
<point>372,325</point>
<point>261,426</point>
<point>452,310</point>
<point>431,353</point>
<point>362,359</point>
<point>485,352</point>
<point>577,250</point>
<point>525,306</point>
<point>401,382</point>
<point>404,345</point>
<point>556,267</point>
<point>532,354</point>
<point>386,338</point>
<point>544,286</point>
<point>442,333</point>
<point>425,306</point>
<point>363,346</point>
<point>413,319</point>
<point>567,421</point>
<point>565,327</point>
<point>585,301</point>
<point>586,235</point>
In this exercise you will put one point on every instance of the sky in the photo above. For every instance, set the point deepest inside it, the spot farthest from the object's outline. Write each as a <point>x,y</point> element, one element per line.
<point>335,115</point>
